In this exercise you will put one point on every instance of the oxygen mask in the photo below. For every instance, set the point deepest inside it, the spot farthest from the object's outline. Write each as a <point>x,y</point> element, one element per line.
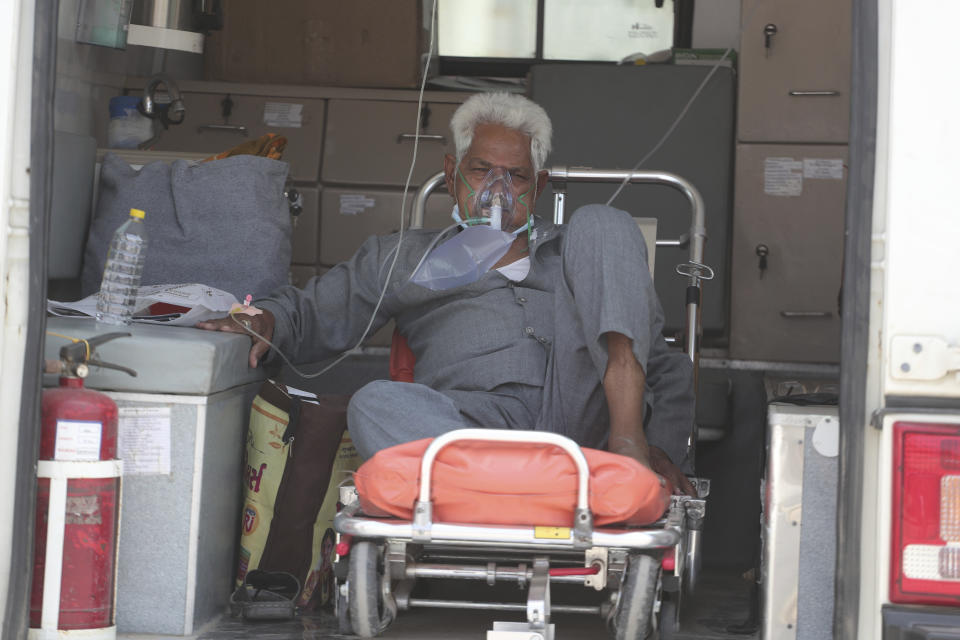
<point>495,200</point>
<point>493,203</point>
<point>488,231</point>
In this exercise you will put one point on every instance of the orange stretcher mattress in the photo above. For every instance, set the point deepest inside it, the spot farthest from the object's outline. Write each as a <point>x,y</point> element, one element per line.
<point>479,482</point>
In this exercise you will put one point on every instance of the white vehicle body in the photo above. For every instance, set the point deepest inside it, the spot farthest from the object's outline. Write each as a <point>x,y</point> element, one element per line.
<point>911,348</point>
<point>16,36</point>
<point>901,287</point>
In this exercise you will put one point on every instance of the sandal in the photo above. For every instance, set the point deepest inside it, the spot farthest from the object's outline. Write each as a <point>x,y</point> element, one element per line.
<point>266,595</point>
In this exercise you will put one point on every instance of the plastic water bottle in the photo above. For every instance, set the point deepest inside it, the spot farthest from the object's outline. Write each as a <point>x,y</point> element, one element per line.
<point>122,272</point>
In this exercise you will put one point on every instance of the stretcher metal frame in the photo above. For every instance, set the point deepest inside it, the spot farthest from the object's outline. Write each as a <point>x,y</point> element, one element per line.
<point>644,570</point>
<point>559,176</point>
<point>605,552</point>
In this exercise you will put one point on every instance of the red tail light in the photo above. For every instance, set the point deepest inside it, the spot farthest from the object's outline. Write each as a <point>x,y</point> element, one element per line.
<point>925,567</point>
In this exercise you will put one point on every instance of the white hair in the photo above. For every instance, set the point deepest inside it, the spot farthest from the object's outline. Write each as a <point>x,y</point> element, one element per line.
<point>509,110</point>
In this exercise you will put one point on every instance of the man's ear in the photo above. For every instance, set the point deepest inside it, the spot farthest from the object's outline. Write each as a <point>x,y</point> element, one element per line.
<point>542,177</point>
<point>449,174</point>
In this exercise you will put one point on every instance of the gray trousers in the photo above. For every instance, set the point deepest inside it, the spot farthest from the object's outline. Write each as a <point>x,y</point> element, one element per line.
<point>603,285</point>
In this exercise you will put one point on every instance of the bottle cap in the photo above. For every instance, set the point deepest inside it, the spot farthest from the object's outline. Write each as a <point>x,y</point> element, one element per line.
<point>136,213</point>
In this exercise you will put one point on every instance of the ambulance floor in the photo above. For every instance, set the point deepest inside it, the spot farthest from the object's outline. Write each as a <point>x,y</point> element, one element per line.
<point>721,606</point>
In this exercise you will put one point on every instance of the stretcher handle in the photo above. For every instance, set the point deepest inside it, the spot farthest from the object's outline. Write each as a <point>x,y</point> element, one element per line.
<point>582,531</point>
<point>507,435</point>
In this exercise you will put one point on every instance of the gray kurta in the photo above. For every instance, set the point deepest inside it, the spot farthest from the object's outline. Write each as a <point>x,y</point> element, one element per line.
<point>495,353</point>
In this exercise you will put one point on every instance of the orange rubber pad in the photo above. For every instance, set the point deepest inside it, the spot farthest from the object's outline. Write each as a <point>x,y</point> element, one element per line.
<point>479,482</point>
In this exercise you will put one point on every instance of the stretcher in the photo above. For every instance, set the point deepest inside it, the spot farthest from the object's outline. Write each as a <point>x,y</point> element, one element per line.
<point>525,507</point>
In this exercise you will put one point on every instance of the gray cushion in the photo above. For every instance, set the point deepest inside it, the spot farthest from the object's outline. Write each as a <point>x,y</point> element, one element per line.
<point>224,223</point>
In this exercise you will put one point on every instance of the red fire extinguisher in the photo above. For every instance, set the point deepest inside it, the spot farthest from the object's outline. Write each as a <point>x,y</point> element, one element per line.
<point>77,502</point>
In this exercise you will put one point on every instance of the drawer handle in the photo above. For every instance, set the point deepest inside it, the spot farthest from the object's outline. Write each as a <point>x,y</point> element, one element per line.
<point>805,314</point>
<point>802,94</point>
<point>436,137</point>
<point>234,128</point>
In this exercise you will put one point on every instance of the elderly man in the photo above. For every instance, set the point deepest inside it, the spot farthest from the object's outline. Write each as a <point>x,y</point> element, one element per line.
<point>561,333</point>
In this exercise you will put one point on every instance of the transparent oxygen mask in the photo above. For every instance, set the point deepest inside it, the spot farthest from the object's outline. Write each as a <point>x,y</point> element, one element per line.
<point>495,200</point>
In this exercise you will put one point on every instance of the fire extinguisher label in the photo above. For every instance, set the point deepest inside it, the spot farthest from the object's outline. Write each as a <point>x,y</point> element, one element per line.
<point>77,440</point>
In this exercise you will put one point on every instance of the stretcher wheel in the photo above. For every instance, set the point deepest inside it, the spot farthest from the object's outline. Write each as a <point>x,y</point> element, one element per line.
<point>668,616</point>
<point>368,616</point>
<point>633,617</point>
<point>343,614</point>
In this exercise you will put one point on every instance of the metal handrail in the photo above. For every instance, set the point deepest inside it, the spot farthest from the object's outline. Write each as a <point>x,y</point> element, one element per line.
<point>559,176</point>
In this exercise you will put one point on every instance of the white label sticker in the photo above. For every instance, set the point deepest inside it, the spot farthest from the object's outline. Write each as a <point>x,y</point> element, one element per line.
<point>283,114</point>
<point>77,440</point>
<point>353,203</point>
<point>782,177</point>
<point>823,168</point>
<point>144,440</point>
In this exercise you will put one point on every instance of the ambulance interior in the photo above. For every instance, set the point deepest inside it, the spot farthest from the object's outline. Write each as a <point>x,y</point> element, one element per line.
<point>751,108</point>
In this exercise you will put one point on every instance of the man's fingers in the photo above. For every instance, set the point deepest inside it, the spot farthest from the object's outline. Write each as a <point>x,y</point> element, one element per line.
<point>686,486</point>
<point>256,352</point>
<point>220,324</point>
<point>258,327</point>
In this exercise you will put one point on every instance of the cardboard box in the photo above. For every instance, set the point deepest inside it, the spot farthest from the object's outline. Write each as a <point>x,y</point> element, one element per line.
<point>360,43</point>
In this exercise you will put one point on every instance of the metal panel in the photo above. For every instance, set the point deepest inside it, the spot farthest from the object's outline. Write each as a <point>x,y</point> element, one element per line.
<point>204,109</point>
<point>919,167</point>
<point>787,311</point>
<point>799,522</point>
<point>626,111</point>
<point>73,174</point>
<point>371,142</point>
<point>348,216</point>
<point>798,88</point>
<point>178,532</point>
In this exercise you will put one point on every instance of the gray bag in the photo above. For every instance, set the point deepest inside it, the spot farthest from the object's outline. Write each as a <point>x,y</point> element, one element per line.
<point>224,223</point>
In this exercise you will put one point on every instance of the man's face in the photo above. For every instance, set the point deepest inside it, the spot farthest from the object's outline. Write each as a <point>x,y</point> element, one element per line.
<point>495,146</point>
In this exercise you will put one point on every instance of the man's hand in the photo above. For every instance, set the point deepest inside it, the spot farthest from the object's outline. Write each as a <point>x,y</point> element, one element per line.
<point>660,463</point>
<point>258,327</point>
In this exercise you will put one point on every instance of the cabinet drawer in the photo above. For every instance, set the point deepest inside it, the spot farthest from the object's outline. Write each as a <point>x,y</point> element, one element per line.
<point>371,142</point>
<point>798,88</point>
<point>303,142</point>
<point>350,216</point>
<point>789,199</point>
<point>306,232</point>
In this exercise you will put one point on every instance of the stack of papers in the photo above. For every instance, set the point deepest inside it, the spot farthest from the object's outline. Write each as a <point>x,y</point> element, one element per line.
<point>178,305</point>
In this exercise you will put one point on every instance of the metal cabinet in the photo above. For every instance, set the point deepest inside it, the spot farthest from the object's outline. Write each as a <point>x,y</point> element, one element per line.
<point>206,129</point>
<point>370,142</point>
<point>794,71</point>
<point>349,215</point>
<point>787,252</point>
